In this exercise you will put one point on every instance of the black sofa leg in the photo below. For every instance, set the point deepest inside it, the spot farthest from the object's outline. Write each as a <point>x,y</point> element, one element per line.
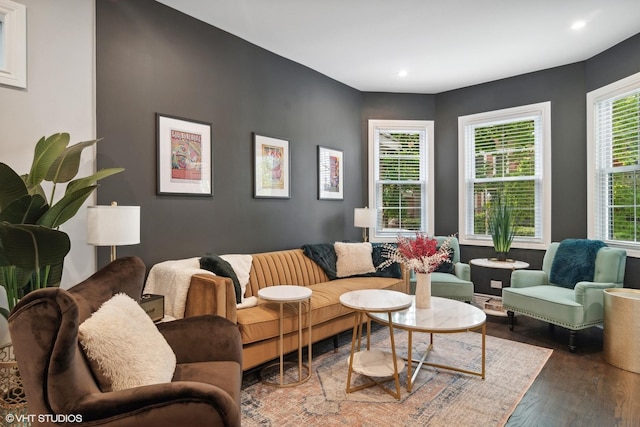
<point>572,341</point>
<point>511,317</point>
<point>336,343</point>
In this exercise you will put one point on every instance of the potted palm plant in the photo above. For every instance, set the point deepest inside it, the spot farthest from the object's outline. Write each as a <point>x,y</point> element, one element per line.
<point>501,226</point>
<point>32,248</point>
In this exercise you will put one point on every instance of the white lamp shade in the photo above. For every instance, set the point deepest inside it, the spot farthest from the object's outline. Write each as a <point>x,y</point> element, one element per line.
<point>113,225</point>
<point>365,217</point>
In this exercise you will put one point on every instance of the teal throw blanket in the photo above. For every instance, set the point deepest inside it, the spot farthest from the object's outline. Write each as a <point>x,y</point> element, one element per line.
<point>574,262</point>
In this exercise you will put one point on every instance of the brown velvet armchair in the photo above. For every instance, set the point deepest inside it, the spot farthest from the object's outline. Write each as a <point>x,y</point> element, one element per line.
<point>58,379</point>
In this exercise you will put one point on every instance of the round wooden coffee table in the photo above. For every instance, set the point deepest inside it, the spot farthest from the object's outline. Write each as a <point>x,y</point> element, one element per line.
<point>446,316</point>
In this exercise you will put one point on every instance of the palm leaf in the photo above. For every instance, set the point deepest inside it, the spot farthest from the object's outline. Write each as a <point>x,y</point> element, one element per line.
<point>92,179</point>
<point>12,187</point>
<point>66,166</point>
<point>31,247</point>
<point>25,210</point>
<point>66,207</point>
<point>45,154</point>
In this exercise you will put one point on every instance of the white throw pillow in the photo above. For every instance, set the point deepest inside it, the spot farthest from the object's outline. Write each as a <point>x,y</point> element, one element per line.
<point>353,259</point>
<point>241,265</point>
<point>125,347</point>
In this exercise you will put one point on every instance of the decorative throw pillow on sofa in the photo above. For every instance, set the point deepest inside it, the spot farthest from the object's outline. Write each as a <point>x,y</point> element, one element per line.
<point>353,259</point>
<point>124,347</point>
<point>220,267</point>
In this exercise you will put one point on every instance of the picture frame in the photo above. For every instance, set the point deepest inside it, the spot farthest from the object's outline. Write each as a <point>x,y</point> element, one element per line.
<point>330,173</point>
<point>272,167</point>
<point>185,156</point>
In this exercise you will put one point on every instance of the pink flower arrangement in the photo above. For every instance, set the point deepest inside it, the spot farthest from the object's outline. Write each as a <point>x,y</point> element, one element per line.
<point>420,254</point>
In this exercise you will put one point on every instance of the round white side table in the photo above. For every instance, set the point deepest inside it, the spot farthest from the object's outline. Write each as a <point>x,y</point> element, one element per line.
<point>283,295</point>
<point>374,363</point>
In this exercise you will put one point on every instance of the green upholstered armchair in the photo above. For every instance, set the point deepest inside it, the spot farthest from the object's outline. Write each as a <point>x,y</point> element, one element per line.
<point>533,294</point>
<point>456,285</point>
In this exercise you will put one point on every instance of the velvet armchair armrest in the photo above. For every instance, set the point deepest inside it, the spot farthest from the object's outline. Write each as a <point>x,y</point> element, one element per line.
<point>203,339</point>
<point>209,294</point>
<point>527,278</point>
<point>462,271</point>
<point>207,403</point>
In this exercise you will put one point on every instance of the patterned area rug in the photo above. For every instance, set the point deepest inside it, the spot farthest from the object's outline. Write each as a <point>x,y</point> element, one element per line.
<point>439,397</point>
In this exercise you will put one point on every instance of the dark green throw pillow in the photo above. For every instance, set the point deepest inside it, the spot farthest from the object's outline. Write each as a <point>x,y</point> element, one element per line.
<point>220,267</point>
<point>447,267</point>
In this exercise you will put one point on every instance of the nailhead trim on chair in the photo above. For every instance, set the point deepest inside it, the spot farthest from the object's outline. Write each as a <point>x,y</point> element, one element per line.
<point>555,322</point>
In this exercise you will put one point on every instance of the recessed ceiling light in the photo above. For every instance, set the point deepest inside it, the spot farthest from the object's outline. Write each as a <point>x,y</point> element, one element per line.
<point>402,73</point>
<point>578,25</point>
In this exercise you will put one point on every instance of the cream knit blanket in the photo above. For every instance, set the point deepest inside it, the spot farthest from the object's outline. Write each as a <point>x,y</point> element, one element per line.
<point>172,279</point>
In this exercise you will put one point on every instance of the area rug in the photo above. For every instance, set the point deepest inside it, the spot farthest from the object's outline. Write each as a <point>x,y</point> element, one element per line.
<point>439,397</point>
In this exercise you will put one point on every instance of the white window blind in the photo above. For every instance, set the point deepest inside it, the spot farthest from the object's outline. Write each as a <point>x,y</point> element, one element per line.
<point>617,168</point>
<point>399,181</point>
<point>503,156</point>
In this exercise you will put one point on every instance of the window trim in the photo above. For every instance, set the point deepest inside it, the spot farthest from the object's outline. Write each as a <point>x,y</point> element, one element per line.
<point>14,19</point>
<point>423,125</point>
<point>543,109</point>
<point>611,90</point>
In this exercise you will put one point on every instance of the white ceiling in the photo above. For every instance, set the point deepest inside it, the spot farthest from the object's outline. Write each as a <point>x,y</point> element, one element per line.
<point>442,44</point>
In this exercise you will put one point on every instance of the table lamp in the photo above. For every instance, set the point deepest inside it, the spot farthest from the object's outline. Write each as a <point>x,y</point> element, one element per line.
<point>113,226</point>
<point>365,218</point>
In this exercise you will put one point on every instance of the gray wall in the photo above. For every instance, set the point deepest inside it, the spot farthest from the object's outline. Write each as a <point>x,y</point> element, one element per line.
<point>152,59</point>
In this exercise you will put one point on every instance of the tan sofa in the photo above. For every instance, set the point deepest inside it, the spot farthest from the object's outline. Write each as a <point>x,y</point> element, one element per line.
<point>259,325</point>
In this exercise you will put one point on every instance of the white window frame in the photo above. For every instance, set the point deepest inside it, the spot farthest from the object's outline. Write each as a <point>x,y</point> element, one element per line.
<point>594,201</point>
<point>427,175</point>
<point>465,200</point>
<point>13,71</point>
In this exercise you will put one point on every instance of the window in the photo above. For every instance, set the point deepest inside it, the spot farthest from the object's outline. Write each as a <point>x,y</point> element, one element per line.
<point>13,44</point>
<point>401,177</point>
<point>613,138</point>
<point>506,154</point>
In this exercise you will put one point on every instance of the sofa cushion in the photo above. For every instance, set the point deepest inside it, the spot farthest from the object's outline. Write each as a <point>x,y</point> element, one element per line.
<point>546,302</point>
<point>261,322</point>
<point>353,259</point>
<point>124,347</point>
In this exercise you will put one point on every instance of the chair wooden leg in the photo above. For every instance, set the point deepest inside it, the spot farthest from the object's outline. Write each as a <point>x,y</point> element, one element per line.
<point>511,317</point>
<point>572,341</point>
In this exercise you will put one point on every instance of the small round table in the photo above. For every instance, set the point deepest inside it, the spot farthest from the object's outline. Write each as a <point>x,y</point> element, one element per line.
<point>446,316</point>
<point>283,295</point>
<point>374,363</point>
<point>484,285</point>
<point>621,328</point>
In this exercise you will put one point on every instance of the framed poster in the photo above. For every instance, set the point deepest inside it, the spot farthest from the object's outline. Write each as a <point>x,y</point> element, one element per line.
<point>185,158</point>
<point>330,174</point>
<point>272,167</point>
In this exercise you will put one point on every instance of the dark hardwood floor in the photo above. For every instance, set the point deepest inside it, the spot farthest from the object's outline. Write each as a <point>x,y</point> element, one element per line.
<point>573,389</point>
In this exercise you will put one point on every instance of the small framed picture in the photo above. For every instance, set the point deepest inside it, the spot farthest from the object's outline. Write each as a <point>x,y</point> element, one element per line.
<point>330,174</point>
<point>185,157</point>
<point>272,167</point>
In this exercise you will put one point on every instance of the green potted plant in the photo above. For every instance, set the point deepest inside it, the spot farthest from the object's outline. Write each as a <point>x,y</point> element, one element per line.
<point>501,226</point>
<point>32,248</point>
